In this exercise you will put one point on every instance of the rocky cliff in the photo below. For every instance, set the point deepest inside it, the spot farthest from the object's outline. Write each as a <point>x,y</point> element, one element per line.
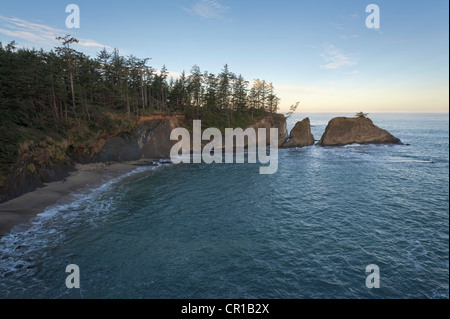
<point>151,139</point>
<point>361,130</point>
<point>300,135</point>
<point>23,179</point>
<point>273,121</point>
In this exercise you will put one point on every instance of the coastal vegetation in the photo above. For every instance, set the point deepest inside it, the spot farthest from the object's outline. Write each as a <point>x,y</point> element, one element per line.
<point>361,114</point>
<point>52,102</point>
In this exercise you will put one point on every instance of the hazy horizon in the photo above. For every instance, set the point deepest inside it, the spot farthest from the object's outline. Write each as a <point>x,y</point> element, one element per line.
<point>321,54</point>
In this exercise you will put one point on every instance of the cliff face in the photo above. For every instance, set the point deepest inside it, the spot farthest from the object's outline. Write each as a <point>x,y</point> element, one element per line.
<point>23,179</point>
<point>361,130</point>
<point>300,135</point>
<point>39,162</point>
<point>272,121</point>
<point>47,163</point>
<point>151,139</point>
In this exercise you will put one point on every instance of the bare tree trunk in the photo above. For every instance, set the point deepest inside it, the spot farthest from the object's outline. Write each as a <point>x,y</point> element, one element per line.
<point>73,93</point>
<point>55,107</point>
<point>86,107</point>
<point>142,92</point>
<point>128,100</point>
<point>61,114</point>
<point>146,96</point>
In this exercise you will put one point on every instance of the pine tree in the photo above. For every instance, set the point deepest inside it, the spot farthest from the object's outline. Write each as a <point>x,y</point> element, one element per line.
<point>195,82</point>
<point>240,93</point>
<point>67,54</point>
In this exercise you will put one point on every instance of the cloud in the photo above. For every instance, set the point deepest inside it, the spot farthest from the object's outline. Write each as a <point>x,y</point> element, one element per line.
<point>337,26</point>
<point>90,44</point>
<point>346,37</point>
<point>37,34</point>
<point>335,59</point>
<point>207,9</point>
<point>171,74</point>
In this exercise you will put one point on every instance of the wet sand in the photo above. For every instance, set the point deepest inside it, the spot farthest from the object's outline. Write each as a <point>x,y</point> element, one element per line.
<point>16,213</point>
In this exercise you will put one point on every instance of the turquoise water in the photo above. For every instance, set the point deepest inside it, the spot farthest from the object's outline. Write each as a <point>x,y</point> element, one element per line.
<point>224,231</point>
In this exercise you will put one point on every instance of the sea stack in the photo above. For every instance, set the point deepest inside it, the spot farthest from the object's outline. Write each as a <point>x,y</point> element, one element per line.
<point>361,130</point>
<point>300,135</point>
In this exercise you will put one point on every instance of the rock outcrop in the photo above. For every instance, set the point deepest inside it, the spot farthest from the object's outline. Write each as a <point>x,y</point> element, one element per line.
<point>361,130</point>
<point>300,135</point>
<point>23,179</point>
<point>272,121</point>
<point>151,139</point>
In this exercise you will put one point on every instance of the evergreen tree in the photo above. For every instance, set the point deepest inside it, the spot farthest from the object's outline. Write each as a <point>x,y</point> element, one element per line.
<point>195,82</point>
<point>67,53</point>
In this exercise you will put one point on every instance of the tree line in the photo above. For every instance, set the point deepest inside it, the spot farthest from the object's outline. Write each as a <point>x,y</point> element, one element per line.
<point>63,94</point>
<point>66,84</point>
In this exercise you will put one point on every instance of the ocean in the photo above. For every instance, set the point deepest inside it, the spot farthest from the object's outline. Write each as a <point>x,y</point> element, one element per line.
<point>225,231</point>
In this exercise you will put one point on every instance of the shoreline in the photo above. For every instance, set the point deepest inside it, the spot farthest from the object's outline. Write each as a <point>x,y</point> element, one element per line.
<point>15,214</point>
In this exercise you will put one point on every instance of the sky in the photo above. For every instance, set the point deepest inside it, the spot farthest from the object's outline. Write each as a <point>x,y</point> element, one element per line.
<point>319,53</point>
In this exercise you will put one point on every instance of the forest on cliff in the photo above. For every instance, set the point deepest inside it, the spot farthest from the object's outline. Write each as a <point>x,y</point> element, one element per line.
<point>52,99</point>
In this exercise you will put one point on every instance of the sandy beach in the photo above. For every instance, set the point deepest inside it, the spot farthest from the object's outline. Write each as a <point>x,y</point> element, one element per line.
<point>15,214</point>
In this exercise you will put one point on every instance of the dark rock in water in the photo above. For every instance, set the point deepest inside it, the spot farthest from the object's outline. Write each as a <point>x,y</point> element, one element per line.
<point>300,135</point>
<point>361,130</point>
<point>146,163</point>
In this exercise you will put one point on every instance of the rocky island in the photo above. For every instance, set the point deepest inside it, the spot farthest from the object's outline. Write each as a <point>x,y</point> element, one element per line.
<point>300,135</point>
<point>361,130</point>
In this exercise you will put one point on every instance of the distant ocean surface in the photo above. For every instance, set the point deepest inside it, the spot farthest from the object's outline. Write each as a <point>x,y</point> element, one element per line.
<point>224,231</point>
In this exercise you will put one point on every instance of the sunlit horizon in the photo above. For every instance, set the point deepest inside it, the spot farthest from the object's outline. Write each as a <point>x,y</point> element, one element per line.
<point>321,54</point>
